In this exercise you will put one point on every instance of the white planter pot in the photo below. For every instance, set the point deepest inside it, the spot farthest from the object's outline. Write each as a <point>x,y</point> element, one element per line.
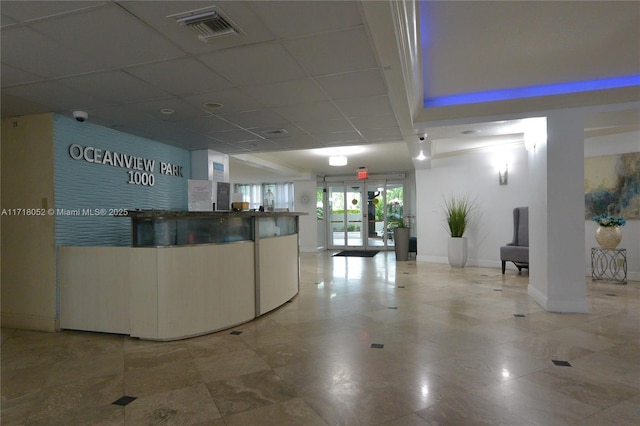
<point>457,252</point>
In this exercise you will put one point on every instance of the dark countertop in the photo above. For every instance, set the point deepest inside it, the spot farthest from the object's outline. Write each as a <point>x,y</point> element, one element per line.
<point>174,214</point>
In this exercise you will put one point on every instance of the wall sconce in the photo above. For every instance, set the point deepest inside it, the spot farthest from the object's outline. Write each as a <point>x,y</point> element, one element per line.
<point>503,174</point>
<point>338,160</point>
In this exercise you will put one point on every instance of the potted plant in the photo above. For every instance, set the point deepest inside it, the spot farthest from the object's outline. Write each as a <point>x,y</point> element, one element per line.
<point>400,239</point>
<point>608,234</point>
<point>458,212</point>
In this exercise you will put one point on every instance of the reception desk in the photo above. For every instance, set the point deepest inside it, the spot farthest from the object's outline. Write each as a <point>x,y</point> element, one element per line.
<point>186,274</point>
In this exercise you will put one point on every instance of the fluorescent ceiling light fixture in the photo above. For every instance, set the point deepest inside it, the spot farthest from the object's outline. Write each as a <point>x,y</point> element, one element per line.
<point>338,160</point>
<point>343,150</point>
<point>533,91</point>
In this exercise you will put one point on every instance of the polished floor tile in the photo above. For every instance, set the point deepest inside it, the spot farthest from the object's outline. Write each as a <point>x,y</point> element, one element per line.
<point>366,341</point>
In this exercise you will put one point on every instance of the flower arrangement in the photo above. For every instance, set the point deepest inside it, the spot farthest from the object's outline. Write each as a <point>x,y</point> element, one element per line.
<point>607,221</point>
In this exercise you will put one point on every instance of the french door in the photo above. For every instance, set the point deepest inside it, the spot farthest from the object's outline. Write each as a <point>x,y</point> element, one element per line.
<point>361,214</point>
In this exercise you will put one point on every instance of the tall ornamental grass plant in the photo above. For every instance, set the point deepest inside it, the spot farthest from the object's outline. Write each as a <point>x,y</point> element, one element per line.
<point>458,214</point>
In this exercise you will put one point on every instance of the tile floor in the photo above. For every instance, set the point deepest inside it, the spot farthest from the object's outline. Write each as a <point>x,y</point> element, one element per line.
<point>367,341</point>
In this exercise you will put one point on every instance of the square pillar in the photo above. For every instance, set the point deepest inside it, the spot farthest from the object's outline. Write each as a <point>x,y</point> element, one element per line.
<point>556,216</point>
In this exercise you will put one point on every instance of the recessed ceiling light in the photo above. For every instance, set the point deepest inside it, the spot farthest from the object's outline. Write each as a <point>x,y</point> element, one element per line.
<point>167,111</point>
<point>212,105</point>
<point>470,132</point>
<point>338,160</point>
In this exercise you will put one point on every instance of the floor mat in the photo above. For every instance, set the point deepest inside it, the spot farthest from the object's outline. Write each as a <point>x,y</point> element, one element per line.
<point>357,253</point>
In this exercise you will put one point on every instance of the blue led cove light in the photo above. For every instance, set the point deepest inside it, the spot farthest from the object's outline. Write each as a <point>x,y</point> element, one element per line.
<point>534,91</point>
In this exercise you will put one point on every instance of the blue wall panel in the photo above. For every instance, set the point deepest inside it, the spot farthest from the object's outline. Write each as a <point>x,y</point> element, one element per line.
<point>83,188</point>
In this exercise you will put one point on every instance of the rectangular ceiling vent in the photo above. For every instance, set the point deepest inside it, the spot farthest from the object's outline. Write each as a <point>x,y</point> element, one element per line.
<point>275,132</point>
<point>207,23</point>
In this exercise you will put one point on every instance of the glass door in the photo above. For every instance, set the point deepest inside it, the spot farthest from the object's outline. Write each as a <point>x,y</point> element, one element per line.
<point>362,216</point>
<point>394,208</point>
<point>346,216</point>
<point>376,228</point>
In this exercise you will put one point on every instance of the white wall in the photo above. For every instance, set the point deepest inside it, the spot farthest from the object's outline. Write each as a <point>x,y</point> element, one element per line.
<point>610,145</point>
<point>202,165</point>
<point>474,175</point>
<point>28,249</point>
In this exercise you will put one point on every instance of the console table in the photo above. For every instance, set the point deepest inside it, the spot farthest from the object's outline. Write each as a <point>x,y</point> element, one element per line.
<point>609,264</point>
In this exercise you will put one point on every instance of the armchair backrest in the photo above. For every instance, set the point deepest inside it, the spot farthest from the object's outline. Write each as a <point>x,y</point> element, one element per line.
<point>520,227</point>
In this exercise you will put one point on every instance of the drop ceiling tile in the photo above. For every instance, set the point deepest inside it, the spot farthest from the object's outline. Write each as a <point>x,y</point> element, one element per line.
<point>115,87</point>
<point>13,106</point>
<point>217,146</point>
<point>256,64</point>
<point>44,57</point>
<point>234,136</point>
<point>158,15</point>
<point>232,100</point>
<point>110,36</point>
<point>6,21</point>
<point>288,19</point>
<point>290,131</point>
<point>171,133</point>
<point>339,138</point>
<point>336,52</point>
<point>12,76</point>
<point>354,84</point>
<point>184,76</point>
<point>363,107</point>
<point>208,124</point>
<point>310,111</point>
<point>375,122</point>
<point>298,142</point>
<point>257,145</point>
<point>182,110</point>
<point>255,118</point>
<point>228,149</point>
<point>24,11</point>
<point>117,116</point>
<point>57,96</point>
<point>376,135</point>
<point>287,93</point>
<point>318,127</point>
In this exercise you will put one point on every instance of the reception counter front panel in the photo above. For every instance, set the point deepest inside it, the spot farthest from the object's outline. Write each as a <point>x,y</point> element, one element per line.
<point>188,274</point>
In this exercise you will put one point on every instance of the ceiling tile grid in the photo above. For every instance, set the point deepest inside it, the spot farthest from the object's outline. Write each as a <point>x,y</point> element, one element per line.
<point>308,67</point>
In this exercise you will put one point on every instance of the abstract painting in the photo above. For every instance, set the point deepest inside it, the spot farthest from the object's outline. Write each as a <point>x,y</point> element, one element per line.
<point>612,186</point>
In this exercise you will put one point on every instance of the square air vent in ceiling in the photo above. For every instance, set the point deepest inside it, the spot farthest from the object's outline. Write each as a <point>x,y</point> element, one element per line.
<point>207,23</point>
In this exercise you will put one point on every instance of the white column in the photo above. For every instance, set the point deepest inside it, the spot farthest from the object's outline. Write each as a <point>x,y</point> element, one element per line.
<point>556,216</point>
<point>202,165</point>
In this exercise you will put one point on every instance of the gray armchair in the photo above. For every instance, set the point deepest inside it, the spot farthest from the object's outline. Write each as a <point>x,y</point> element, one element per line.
<point>517,251</point>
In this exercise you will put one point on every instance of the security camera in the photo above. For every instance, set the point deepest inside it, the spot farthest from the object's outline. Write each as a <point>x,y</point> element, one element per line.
<point>422,137</point>
<point>81,116</point>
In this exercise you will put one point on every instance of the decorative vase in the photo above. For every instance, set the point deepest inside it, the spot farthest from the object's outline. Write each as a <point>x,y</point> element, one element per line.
<point>608,236</point>
<point>401,243</point>
<point>457,252</point>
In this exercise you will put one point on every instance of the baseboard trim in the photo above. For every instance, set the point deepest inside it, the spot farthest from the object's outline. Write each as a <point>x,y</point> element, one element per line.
<point>560,306</point>
<point>30,322</point>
